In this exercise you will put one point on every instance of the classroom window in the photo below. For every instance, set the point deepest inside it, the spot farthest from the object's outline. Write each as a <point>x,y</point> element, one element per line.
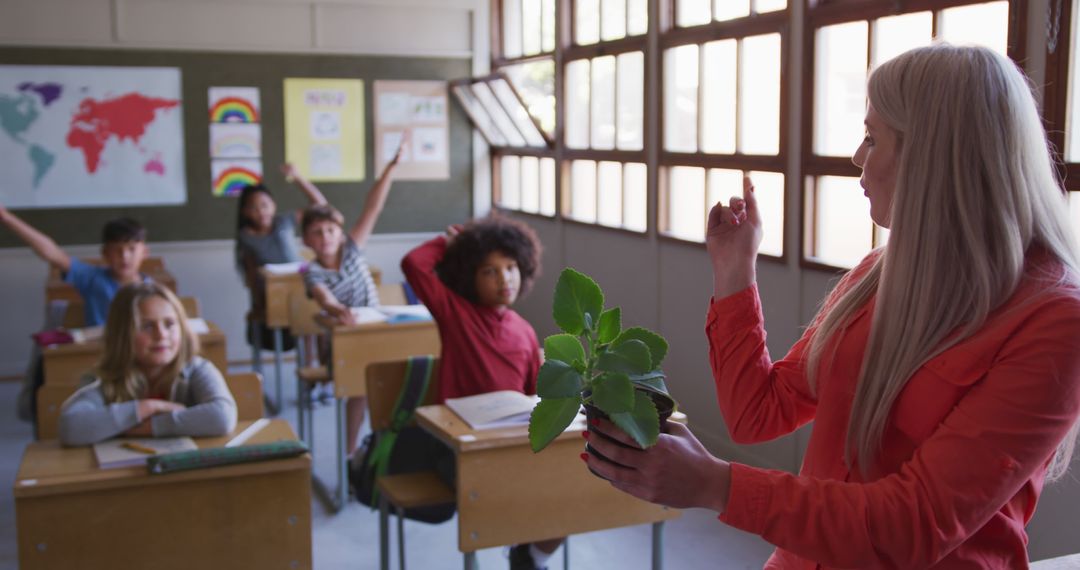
<point>837,227</point>
<point>608,193</point>
<point>608,20</point>
<point>698,12</point>
<point>604,102</point>
<point>498,111</point>
<point>535,82</point>
<point>528,27</point>
<point>526,183</point>
<point>693,191</point>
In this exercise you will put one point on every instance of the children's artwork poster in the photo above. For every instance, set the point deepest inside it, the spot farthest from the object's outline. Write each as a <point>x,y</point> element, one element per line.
<point>413,113</point>
<point>82,136</point>
<point>235,133</point>
<point>324,128</point>
<point>229,175</point>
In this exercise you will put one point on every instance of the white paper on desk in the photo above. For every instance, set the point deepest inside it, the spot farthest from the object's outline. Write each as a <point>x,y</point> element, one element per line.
<point>111,454</point>
<point>406,312</point>
<point>198,325</point>
<point>366,315</point>
<point>504,408</point>
<point>283,268</point>
<point>87,334</point>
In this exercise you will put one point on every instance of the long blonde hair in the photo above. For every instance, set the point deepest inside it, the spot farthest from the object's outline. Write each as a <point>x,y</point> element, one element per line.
<point>121,380</point>
<point>975,188</point>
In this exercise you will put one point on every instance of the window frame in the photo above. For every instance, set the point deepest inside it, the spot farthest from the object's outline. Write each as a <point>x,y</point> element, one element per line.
<point>821,13</point>
<point>1056,97</point>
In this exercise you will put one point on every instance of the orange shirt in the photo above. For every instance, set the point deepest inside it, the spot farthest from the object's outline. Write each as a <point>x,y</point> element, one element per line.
<point>963,459</point>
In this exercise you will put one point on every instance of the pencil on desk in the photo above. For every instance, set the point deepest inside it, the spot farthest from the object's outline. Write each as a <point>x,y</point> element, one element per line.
<point>139,447</point>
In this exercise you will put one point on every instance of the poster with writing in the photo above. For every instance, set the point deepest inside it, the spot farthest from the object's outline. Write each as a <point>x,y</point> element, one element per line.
<point>413,113</point>
<point>81,136</point>
<point>324,128</point>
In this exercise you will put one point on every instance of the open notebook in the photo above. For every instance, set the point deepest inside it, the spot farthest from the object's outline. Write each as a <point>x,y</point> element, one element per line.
<point>504,408</point>
<point>117,453</point>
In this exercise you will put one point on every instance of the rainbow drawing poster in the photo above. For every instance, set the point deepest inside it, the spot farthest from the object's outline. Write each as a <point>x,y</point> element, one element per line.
<point>235,140</point>
<point>229,176</point>
<point>234,105</point>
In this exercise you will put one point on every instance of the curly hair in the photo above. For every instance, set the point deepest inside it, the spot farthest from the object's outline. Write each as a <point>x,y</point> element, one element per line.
<point>477,239</point>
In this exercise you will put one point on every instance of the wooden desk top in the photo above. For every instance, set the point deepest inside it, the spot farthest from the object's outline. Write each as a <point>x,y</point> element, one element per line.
<point>216,335</point>
<point>47,468</point>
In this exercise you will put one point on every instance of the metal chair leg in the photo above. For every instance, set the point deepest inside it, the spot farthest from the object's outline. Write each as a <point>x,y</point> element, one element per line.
<point>401,537</point>
<point>279,345</point>
<point>658,545</point>
<point>342,453</point>
<point>470,561</point>
<point>384,529</point>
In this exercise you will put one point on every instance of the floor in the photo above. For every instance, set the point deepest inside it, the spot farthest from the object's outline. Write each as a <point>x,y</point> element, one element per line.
<point>349,539</point>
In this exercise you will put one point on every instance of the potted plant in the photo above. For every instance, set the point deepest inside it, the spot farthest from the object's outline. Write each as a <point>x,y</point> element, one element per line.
<point>615,373</point>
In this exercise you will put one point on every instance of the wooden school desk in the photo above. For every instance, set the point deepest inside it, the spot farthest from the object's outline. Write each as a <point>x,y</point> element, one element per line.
<point>70,514</point>
<point>66,363</point>
<point>277,287</point>
<point>352,349</point>
<point>57,290</point>
<point>506,494</point>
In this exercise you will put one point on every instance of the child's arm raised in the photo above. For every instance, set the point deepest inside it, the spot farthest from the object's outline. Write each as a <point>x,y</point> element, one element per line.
<point>314,195</point>
<point>42,244</point>
<point>376,199</point>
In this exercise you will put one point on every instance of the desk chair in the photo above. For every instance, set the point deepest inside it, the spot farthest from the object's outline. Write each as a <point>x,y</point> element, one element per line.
<point>246,390</point>
<point>385,381</point>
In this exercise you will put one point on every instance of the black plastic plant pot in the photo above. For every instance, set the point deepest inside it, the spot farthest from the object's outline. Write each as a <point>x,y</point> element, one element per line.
<point>665,405</point>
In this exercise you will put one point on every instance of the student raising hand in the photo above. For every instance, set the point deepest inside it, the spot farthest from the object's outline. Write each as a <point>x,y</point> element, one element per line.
<point>732,240</point>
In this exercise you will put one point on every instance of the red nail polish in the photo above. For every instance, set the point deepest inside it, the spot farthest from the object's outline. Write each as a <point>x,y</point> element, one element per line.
<point>585,457</point>
<point>585,434</point>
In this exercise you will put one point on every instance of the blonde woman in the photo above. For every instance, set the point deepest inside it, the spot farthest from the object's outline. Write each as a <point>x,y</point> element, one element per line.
<point>151,381</point>
<point>942,374</point>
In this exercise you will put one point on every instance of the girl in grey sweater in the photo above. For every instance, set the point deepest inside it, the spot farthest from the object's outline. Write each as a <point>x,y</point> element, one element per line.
<point>150,381</point>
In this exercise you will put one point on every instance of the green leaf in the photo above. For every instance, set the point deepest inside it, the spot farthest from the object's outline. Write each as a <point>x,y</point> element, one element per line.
<point>558,379</point>
<point>630,356</point>
<point>658,347</point>
<point>643,423</point>
<point>550,418</point>
<point>575,296</point>
<point>564,347</point>
<point>613,393</point>
<point>610,325</point>
<point>651,381</point>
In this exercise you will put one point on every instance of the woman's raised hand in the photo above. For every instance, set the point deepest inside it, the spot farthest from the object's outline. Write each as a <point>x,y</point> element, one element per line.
<point>732,239</point>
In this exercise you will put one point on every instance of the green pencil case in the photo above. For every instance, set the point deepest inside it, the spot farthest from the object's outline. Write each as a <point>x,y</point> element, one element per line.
<point>218,456</point>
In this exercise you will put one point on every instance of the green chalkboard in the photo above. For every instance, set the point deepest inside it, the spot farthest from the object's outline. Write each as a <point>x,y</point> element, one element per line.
<point>412,205</point>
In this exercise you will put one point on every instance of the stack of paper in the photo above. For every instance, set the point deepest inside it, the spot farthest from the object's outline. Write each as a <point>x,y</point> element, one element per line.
<point>117,453</point>
<point>405,313</point>
<point>283,268</point>
<point>495,409</point>
<point>366,315</point>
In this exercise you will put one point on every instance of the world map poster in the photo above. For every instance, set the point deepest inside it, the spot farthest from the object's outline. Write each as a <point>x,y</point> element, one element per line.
<point>91,136</point>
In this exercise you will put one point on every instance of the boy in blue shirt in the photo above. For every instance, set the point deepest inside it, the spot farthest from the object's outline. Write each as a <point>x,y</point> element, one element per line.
<point>123,248</point>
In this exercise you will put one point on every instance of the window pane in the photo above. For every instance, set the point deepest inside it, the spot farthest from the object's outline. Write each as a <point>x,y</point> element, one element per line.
<point>530,184</point>
<point>547,26</point>
<point>530,16</point>
<point>730,9</point>
<point>843,225</point>
<point>586,21</point>
<point>982,24</point>
<point>609,188</point>
<point>686,203</point>
<point>635,203</point>
<point>896,34</point>
<point>612,19</point>
<point>769,191</point>
<point>692,12</point>
<point>840,88</point>
<point>637,17</point>
<point>1072,126</point>
<point>603,102</point>
<point>502,120</point>
<point>518,113</point>
<point>512,28</point>
<point>631,95</point>
<point>577,104</point>
<point>547,186</point>
<point>759,95</point>
<point>510,182</point>
<point>761,6</point>
<point>583,191</point>
<point>479,115</point>
<point>723,185</point>
<point>680,98</point>
<point>719,86</point>
<point>535,82</point>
